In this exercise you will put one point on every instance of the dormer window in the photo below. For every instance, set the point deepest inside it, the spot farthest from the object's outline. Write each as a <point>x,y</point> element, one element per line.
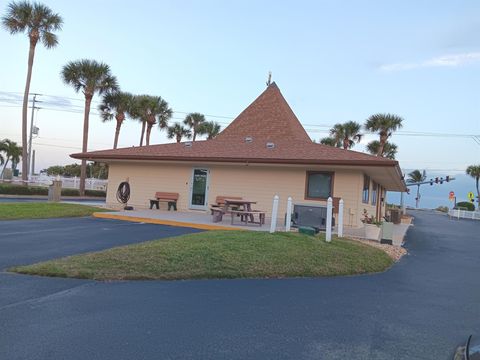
<point>248,139</point>
<point>270,145</point>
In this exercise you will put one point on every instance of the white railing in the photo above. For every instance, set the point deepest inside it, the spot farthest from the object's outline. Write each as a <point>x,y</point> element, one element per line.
<point>464,214</point>
<point>67,182</point>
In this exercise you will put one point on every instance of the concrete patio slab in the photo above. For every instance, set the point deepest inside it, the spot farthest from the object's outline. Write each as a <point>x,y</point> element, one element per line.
<point>197,220</point>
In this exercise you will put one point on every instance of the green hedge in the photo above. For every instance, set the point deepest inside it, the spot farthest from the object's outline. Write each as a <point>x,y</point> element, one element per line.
<point>9,189</point>
<point>465,204</point>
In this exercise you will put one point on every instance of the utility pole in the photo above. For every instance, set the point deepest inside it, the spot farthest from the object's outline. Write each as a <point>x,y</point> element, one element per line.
<point>29,160</point>
<point>33,163</point>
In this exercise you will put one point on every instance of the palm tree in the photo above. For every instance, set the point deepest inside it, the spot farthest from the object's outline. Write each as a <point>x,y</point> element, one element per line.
<point>209,128</point>
<point>115,105</point>
<point>346,134</point>
<point>39,23</point>
<point>417,177</point>
<point>193,121</point>
<point>474,172</point>
<point>384,125</point>
<point>13,153</point>
<point>90,77</point>
<point>151,110</point>
<point>330,142</point>
<point>389,149</point>
<point>178,132</point>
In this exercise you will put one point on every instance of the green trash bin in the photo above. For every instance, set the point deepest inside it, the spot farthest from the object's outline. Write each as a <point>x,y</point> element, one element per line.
<point>306,230</point>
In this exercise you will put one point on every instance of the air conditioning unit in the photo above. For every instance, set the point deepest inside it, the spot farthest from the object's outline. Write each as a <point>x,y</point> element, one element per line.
<point>310,215</point>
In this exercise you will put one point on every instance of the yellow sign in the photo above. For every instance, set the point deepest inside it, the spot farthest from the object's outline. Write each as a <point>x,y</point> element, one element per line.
<point>471,195</point>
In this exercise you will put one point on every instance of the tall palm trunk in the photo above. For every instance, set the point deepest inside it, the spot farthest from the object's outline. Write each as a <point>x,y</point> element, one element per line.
<point>149,130</point>
<point>346,143</point>
<point>417,200</point>
<point>194,135</point>
<point>477,180</point>
<point>143,132</point>
<point>4,167</point>
<point>179,138</point>
<point>83,168</point>
<point>119,118</point>
<point>381,147</point>
<point>31,55</point>
<point>117,133</point>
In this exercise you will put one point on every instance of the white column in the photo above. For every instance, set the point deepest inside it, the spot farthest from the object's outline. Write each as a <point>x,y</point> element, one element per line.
<point>340,218</point>
<point>273,223</point>
<point>289,214</point>
<point>328,230</point>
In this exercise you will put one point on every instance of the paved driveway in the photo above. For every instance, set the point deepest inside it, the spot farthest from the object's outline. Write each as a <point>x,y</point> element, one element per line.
<point>420,309</point>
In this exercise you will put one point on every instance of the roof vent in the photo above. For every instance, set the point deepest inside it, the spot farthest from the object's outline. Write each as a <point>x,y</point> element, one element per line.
<point>188,144</point>
<point>248,139</point>
<point>270,145</point>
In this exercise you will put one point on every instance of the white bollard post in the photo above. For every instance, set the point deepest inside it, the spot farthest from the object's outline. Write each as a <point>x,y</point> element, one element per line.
<point>340,218</point>
<point>273,223</point>
<point>328,230</point>
<point>289,214</point>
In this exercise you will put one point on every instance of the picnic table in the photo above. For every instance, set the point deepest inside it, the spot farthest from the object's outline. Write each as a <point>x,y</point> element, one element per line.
<point>238,207</point>
<point>246,205</point>
<point>244,210</point>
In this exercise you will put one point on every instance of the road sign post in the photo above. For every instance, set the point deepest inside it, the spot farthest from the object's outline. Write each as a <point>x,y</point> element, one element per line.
<point>471,196</point>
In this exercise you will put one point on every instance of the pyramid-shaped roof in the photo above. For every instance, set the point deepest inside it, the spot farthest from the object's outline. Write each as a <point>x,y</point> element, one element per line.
<point>268,118</point>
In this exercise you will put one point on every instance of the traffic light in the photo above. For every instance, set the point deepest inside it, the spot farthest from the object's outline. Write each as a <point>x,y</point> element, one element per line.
<point>436,180</point>
<point>447,178</point>
<point>441,180</point>
<point>431,182</point>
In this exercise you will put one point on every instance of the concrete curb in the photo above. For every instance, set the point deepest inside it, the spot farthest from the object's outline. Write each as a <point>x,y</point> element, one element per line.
<point>163,222</point>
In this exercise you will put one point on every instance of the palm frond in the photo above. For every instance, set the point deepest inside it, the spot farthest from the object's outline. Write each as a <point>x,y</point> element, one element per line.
<point>37,20</point>
<point>89,76</point>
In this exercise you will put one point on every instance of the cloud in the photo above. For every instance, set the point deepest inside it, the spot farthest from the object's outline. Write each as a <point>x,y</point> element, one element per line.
<point>444,60</point>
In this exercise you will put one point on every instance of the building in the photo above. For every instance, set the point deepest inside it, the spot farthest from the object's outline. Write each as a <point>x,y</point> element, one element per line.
<point>265,151</point>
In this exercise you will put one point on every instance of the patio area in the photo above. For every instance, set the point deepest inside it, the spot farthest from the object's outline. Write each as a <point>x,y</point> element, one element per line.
<point>195,219</point>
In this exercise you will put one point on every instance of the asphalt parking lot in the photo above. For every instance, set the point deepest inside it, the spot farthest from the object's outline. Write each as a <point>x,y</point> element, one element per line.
<point>421,308</point>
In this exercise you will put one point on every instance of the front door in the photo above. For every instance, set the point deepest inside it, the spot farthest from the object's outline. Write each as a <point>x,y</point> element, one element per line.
<point>199,189</point>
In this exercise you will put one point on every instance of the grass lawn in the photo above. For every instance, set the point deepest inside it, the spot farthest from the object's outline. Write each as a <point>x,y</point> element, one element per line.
<point>43,210</point>
<point>220,254</point>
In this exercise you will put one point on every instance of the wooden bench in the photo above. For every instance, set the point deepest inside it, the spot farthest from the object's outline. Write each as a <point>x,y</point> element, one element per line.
<point>246,215</point>
<point>168,197</point>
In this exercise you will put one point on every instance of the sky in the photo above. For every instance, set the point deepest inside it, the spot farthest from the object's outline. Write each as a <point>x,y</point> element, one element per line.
<point>334,61</point>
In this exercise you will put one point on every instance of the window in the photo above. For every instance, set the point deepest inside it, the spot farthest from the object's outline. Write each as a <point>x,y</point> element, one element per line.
<point>374,193</point>
<point>366,189</point>
<point>319,185</point>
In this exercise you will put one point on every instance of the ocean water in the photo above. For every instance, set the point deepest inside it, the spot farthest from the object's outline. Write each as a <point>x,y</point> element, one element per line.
<point>432,196</point>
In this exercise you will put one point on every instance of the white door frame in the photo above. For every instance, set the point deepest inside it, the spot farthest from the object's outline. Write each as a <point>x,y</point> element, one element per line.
<point>207,185</point>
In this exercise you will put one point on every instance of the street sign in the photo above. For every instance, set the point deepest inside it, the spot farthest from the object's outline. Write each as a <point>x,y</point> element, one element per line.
<point>451,196</point>
<point>471,196</point>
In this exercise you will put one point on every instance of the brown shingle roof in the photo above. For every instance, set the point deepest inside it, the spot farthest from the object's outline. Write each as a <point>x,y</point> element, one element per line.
<point>268,119</point>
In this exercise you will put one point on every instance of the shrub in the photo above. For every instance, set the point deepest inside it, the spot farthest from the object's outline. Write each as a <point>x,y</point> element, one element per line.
<point>11,189</point>
<point>465,205</point>
<point>442,209</point>
<point>96,193</point>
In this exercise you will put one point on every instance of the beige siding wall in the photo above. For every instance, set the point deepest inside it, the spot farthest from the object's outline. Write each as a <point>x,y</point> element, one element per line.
<point>257,183</point>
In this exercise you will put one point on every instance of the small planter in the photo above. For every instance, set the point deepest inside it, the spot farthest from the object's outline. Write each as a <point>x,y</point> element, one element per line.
<point>372,232</point>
